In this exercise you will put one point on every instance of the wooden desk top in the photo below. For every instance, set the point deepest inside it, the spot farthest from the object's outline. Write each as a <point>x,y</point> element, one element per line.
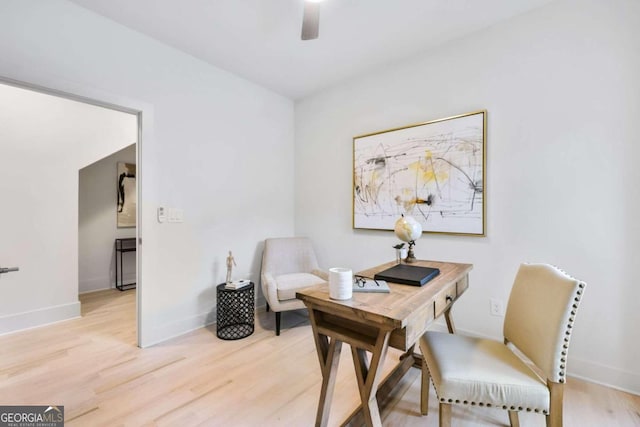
<point>396,309</point>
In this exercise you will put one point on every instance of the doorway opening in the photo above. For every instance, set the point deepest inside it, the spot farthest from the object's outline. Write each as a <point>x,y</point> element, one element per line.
<point>50,141</point>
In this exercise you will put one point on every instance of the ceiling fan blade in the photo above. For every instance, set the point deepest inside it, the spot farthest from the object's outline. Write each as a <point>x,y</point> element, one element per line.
<point>310,20</point>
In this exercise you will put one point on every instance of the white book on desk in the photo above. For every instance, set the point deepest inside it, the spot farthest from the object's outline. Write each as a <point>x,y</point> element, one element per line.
<point>371,286</point>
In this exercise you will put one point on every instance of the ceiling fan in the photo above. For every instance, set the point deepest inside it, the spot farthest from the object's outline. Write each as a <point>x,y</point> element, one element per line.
<point>311,19</point>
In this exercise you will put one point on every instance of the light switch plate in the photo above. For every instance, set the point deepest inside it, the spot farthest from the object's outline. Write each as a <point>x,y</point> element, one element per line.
<point>162,214</point>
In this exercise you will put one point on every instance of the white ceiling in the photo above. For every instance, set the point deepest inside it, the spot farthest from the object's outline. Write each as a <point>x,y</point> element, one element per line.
<point>260,39</point>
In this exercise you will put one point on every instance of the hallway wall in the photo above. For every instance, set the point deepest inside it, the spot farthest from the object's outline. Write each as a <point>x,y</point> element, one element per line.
<point>98,226</point>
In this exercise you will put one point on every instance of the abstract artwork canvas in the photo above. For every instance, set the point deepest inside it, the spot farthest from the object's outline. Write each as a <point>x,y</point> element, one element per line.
<point>433,171</point>
<point>127,197</point>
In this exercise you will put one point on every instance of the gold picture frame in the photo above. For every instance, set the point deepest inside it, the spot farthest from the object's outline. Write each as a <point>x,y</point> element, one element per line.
<point>434,171</point>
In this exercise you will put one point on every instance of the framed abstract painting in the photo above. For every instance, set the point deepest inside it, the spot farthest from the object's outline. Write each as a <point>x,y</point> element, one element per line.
<point>433,171</point>
<point>127,198</point>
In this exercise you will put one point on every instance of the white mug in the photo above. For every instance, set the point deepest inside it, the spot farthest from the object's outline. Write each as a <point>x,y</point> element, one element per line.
<point>340,283</point>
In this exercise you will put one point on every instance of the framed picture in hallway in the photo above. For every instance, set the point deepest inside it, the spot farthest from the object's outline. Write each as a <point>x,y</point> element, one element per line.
<point>433,171</point>
<point>127,197</point>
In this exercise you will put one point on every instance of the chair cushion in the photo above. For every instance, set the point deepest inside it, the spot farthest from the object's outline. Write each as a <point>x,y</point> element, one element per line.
<point>483,372</point>
<point>288,284</point>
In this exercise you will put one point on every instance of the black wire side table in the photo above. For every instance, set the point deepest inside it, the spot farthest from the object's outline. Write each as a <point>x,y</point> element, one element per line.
<point>235,314</point>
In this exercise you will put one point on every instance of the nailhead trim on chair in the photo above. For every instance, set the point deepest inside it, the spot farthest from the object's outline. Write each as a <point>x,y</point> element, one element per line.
<point>489,405</point>
<point>567,337</point>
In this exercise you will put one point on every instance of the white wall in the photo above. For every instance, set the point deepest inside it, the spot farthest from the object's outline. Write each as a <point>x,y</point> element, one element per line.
<point>562,92</point>
<point>213,144</point>
<point>97,224</point>
<point>44,141</point>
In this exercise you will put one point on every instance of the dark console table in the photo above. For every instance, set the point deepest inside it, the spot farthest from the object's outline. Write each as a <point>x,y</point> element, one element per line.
<point>123,246</point>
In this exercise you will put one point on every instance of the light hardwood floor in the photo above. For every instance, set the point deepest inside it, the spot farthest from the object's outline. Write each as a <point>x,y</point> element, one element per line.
<point>92,366</point>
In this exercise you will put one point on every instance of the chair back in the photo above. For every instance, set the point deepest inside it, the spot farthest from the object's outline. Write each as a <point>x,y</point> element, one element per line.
<point>287,255</point>
<point>540,315</point>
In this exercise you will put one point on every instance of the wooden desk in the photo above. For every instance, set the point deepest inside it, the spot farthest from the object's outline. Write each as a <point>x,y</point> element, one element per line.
<point>371,322</point>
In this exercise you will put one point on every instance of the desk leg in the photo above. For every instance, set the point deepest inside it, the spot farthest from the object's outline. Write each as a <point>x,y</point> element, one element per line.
<point>368,376</point>
<point>329,357</point>
<point>447,317</point>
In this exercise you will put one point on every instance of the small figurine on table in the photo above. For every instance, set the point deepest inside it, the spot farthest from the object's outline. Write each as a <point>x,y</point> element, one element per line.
<point>230,263</point>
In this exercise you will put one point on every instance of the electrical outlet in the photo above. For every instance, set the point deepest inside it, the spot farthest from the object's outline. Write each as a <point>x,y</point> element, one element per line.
<point>496,307</point>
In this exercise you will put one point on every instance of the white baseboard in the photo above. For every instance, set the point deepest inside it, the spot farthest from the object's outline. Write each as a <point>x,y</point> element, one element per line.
<point>40,317</point>
<point>165,331</point>
<point>94,291</point>
<point>94,284</point>
<point>604,375</point>
<point>103,282</point>
<point>161,332</point>
<point>127,278</point>
<point>261,303</point>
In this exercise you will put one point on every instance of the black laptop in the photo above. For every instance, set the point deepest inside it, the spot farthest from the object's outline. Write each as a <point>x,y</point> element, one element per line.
<point>408,274</point>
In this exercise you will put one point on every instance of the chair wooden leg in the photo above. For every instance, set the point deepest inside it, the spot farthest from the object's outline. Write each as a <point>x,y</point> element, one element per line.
<point>278,323</point>
<point>513,419</point>
<point>445,415</point>
<point>554,419</point>
<point>424,389</point>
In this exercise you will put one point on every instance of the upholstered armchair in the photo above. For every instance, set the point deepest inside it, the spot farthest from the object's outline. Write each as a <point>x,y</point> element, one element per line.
<point>288,264</point>
<point>473,371</point>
